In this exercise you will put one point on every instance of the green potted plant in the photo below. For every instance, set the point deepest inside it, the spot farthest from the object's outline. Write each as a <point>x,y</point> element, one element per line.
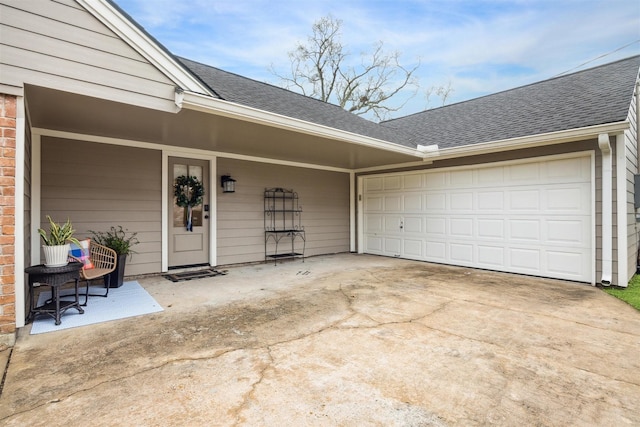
<point>56,242</point>
<point>116,238</point>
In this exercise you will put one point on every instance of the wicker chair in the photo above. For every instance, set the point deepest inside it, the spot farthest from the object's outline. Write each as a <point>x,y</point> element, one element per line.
<point>104,261</point>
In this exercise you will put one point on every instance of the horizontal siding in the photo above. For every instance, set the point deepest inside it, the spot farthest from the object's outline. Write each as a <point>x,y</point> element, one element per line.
<point>631,145</point>
<point>97,186</point>
<point>53,45</point>
<point>323,197</point>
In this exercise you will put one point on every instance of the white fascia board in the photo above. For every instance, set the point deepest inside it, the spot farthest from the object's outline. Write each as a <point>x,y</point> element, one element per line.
<point>590,132</point>
<point>207,104</point>
<point>144,45</point>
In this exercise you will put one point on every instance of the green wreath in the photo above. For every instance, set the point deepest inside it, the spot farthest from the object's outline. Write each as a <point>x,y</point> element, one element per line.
<point>188,191</point>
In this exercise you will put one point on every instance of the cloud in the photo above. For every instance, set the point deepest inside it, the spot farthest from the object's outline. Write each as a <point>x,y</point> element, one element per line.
<point>480,46</point>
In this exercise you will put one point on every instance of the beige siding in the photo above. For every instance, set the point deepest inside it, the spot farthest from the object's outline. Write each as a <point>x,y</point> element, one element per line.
<point>62,46</point>
<point>632,168</point>
<point>97,186</point>
<point>324,198</point>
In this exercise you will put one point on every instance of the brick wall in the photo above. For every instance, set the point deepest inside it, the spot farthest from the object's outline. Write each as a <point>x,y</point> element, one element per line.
<point>7,213</point>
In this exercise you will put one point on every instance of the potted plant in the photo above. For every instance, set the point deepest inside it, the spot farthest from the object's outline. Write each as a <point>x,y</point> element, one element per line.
<point>116,238</point>
<point>56,243</point>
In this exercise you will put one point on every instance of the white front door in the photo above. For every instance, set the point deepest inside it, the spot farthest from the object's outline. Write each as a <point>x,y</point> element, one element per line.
<point>188,245</point>
<point>531,218</point>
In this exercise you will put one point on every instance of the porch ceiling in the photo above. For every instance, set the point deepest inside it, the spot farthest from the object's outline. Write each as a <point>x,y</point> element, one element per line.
<point>63,111</point>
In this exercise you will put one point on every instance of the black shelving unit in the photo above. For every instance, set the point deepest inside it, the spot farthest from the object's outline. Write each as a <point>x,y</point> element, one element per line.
<point>284,235</point>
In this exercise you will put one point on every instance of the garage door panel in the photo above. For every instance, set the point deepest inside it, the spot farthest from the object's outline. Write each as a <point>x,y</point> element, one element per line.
<point>529,217</point>
<point>436,251</point>
<point>435,180</point>
<point>523,173</point>
<point>374,245</point>
<point>392,246</point>
<point>564,200</point>
<point>565,263</point>
<point>413,182</point>
<point>373,203</point>
<point>413,225</point>
<point>491,256</point>
<point>413,248</point>
<point>436,226</point>
<point>461,227</point>
<point>413,203</point>
<point>491,228</point>
<point>525,230</point>
<point>525,260</point>
<point>461,178</point>
<point>491,176</point>
<point>393,203</point>
<point>373,223</point>
<point>491,200</point>
<point>461,253</point>
<point>373,184</point>
<point>566,170</point>
<point>461,201</point>
<point>392,223</point>
<point>392,183</point>
<point>436,202</point>
<point>567,232</point>
<point>524,200</point>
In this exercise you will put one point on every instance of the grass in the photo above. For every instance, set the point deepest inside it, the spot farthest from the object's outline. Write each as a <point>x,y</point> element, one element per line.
<point>630,294</point>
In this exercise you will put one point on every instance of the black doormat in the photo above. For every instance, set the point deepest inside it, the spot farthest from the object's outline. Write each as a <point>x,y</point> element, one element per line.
<point>197,274</point>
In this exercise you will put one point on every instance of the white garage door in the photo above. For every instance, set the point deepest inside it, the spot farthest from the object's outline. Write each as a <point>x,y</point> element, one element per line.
<point>530,218</point>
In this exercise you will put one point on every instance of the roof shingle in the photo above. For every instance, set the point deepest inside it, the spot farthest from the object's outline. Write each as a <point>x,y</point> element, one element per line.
<point>263,96</point>
<point>591,97</point>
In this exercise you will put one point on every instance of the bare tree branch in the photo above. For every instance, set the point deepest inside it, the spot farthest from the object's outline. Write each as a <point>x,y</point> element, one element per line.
<point>319,69</point>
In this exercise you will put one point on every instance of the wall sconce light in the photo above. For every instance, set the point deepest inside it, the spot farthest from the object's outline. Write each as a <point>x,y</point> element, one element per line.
<point>228,184</point>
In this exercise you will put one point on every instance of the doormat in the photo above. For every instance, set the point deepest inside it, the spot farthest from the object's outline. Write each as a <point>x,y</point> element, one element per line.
<point>197,274</point>
<point>129,300</point>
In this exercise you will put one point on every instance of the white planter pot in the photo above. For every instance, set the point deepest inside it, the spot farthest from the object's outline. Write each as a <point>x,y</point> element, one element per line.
<point>56,256</point>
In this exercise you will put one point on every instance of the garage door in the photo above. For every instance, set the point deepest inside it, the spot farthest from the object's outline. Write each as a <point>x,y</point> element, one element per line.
<point>530,218</point>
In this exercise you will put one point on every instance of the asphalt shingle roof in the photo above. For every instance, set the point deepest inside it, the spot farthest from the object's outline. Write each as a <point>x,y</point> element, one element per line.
<point>591,97</point>
<point>252,93</point>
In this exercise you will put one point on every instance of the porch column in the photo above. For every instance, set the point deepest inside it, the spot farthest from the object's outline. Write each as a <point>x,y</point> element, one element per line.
<point>8,104</point>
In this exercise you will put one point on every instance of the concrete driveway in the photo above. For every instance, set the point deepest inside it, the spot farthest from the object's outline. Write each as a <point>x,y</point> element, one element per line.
<point>344,340</point>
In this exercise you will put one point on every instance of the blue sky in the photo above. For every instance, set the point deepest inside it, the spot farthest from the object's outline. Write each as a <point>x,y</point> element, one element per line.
<point>481,47</point>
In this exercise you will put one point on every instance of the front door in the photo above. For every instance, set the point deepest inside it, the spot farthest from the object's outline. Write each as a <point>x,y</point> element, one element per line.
<point>188,227</point>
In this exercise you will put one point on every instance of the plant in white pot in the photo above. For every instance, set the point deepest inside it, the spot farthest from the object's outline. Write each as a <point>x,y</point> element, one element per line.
<point>56,243</point>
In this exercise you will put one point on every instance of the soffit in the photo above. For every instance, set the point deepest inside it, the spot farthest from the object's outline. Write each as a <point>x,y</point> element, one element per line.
<point>63,111</point>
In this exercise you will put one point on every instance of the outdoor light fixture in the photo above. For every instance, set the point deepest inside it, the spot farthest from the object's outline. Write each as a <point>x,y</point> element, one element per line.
<point>228,184</point>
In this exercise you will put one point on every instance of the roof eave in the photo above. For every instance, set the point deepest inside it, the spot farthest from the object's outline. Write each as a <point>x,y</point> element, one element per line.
<point>207,104</point>
<point>551,138</point>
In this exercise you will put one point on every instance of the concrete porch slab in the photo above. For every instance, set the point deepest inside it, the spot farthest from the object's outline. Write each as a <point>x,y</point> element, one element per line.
<point>340,340</point>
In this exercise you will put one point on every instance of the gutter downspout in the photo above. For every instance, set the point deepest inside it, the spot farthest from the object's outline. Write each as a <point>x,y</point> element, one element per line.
<point>607,209</point>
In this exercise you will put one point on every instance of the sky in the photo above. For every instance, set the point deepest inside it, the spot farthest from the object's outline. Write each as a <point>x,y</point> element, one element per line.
<point>478,47</point>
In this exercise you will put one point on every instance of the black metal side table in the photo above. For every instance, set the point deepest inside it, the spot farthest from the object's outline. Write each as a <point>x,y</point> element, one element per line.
<point>54,277</point>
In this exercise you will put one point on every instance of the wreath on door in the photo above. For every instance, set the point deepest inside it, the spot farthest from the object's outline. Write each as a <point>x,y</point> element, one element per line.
<point>189,192</point>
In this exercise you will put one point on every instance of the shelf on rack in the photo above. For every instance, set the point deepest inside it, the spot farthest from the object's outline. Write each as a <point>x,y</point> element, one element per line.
<point>282,220</point>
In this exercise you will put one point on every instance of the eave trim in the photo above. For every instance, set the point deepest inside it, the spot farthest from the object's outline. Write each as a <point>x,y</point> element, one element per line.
<point>207,104</point>
<point>589,132</point>
<point>143,44</point>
